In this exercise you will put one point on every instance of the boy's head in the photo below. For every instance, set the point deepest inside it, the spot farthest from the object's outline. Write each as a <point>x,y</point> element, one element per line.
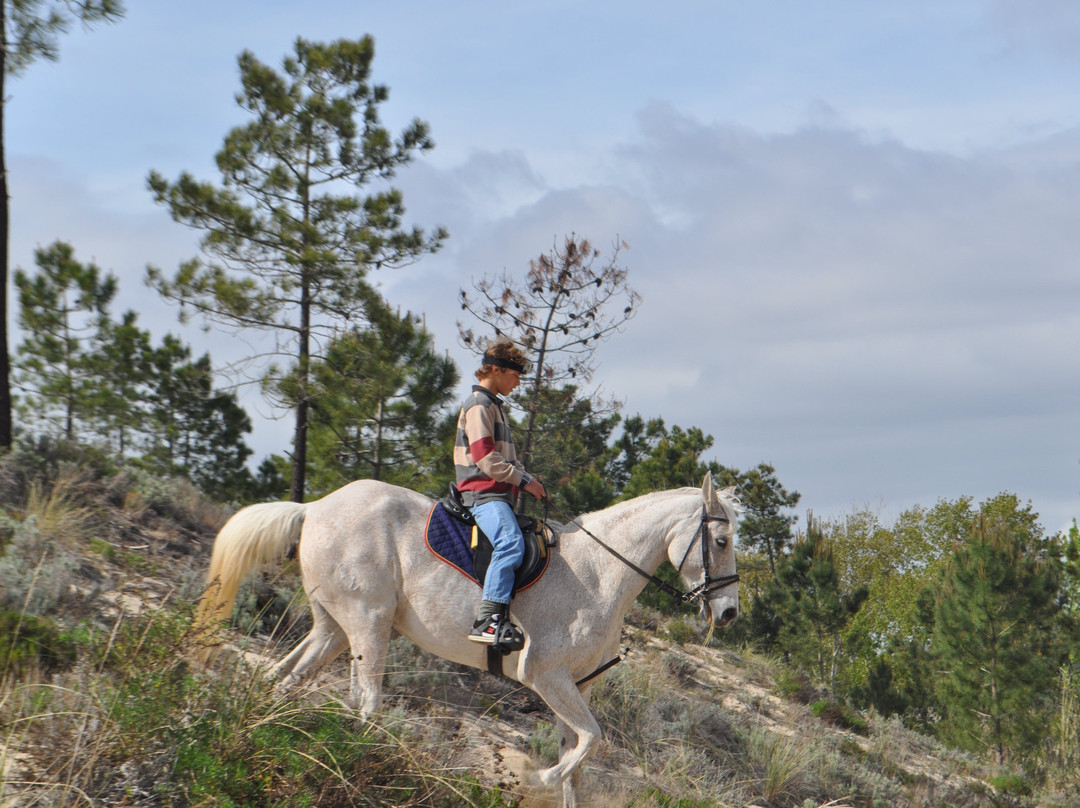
<point>502,354</point>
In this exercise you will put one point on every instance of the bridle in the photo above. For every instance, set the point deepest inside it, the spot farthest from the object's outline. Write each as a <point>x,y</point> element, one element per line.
<point>702,590</point>
<point>709,584</point>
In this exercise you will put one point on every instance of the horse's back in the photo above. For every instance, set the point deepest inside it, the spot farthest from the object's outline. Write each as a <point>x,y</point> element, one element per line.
<point>361,517</point>
<point>367,499</point>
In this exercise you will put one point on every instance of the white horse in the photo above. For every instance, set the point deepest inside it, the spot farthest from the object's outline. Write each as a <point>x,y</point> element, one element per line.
<point>367,571</point>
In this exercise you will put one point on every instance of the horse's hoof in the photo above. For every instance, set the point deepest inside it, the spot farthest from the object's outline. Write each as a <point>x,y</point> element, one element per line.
<point>548,778</point>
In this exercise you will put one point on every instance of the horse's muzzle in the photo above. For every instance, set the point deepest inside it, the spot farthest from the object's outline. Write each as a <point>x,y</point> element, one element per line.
<point>726,617</point>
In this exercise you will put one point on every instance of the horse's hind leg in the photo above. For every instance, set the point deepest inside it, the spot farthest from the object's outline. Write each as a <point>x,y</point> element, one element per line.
<point>324,642</point>
<point>368,629</point>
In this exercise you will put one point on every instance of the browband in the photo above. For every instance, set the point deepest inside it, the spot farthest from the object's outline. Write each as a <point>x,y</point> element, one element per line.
<point>499,362</point>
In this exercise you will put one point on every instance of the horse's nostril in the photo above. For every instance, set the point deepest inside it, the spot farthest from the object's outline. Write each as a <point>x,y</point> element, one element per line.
<point>729,614</point>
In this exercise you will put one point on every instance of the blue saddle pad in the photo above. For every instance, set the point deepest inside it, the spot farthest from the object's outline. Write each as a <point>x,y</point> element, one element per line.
<point>450,539</point>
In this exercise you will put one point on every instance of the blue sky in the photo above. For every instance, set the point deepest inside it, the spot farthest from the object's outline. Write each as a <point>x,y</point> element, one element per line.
<point>854,226</point>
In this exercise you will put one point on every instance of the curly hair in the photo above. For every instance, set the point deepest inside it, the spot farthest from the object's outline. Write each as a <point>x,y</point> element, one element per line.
<point>501,349</point>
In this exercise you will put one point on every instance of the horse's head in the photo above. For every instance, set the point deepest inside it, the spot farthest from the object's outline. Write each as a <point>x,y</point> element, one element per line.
<point>704,554</point>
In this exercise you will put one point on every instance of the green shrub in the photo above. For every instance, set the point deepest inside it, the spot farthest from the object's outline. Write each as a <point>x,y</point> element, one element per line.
<point>544,743</point>
<point>28,642</point>
<point>1012,784</point>
<point>841,715</point>
<point>680,631</point>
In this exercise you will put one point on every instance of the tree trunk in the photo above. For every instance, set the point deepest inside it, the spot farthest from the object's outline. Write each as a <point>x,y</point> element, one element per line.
<point>299,460</point>
<point>6,426</point>
<point>538,380</point>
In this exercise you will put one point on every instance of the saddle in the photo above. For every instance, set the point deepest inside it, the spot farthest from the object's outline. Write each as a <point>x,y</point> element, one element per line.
<point>453,535</point>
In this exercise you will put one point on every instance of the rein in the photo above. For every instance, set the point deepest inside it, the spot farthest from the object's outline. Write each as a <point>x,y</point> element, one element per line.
<point>706,587</point>
<point>703,589</point>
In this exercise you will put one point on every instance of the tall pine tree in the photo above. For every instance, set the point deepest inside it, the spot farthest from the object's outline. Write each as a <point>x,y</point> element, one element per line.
<point>290,237</point>
<point>29,30</point>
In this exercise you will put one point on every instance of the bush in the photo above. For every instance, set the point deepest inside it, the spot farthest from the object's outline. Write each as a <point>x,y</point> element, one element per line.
<point>28,642</point>
<point>841,715</point>
<point>35,575</point>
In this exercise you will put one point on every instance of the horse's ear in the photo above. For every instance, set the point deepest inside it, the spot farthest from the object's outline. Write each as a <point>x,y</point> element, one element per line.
<point>708,492</point>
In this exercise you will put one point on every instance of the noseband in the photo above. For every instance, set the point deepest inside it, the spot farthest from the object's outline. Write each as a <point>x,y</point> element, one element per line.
<point>709,584</point>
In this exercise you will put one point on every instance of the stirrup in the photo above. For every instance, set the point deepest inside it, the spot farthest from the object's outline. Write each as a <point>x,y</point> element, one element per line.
<point>499,633</point>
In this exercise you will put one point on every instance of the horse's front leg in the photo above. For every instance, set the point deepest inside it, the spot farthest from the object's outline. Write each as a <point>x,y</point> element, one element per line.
<point>568,740</point>
<point>577,729</point>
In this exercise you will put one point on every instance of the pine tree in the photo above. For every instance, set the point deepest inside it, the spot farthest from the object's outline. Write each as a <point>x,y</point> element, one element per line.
<point>570,300</point>
<point>811,609</point>
<point>766,526</point>
<point>673,459</point>
<point>288,235</point>
<point>194,429</point>
<point>574,454</point>
<point>381,399</point>
<point>63,307</point>
<point>995,610</point>
<point>119,354</point>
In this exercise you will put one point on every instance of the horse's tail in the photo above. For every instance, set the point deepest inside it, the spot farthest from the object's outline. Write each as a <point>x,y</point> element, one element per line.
<point>254,537</point>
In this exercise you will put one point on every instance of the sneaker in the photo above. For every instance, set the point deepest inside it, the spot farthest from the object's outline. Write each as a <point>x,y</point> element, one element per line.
<point>496,630</point>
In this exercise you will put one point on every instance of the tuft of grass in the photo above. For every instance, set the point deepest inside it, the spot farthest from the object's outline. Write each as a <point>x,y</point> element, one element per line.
<point>784,763</point>
<point>57,509</point>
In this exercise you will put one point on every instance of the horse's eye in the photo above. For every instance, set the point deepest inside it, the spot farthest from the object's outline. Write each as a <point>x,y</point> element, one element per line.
<point>721,542</point>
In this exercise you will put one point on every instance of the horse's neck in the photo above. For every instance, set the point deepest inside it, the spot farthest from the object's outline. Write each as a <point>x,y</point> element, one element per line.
<point>638,529</point>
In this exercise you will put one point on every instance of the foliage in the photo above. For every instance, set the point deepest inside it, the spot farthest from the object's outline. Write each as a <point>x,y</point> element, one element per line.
<point>196,430</point>
<point>994,616</point>
<point>88,375</point>
<point>180,737</point>
<point>63,311</point>
<point>574,453</point>
<point>288,236</point>
<point>29,642</point>
<point>658,458</point>
<point>379,405</point>
<point>35,574</point>
<point>1071,570</point>
<point>810,608</point>
<point>31,31</point>
<point>766,527</point>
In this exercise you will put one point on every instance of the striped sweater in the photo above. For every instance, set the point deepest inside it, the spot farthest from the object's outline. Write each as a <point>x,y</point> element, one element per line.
<point>484,456</point>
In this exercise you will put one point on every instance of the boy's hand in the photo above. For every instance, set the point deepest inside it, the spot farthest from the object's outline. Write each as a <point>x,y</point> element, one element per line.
<point>536,488</point>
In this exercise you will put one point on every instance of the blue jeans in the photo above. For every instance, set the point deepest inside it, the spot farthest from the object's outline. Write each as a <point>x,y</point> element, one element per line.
<point>499,524</point>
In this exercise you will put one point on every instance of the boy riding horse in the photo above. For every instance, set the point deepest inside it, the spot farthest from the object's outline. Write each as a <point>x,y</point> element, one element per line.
<point>489,477</point>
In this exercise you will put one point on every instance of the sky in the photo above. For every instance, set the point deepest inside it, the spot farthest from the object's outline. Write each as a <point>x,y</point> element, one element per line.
<point>854,226</point>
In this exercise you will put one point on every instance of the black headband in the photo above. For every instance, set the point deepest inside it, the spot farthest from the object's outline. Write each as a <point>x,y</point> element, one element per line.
<point>499,362</point>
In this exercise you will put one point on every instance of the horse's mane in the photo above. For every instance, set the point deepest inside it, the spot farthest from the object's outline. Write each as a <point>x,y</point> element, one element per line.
<point>727,496</point>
